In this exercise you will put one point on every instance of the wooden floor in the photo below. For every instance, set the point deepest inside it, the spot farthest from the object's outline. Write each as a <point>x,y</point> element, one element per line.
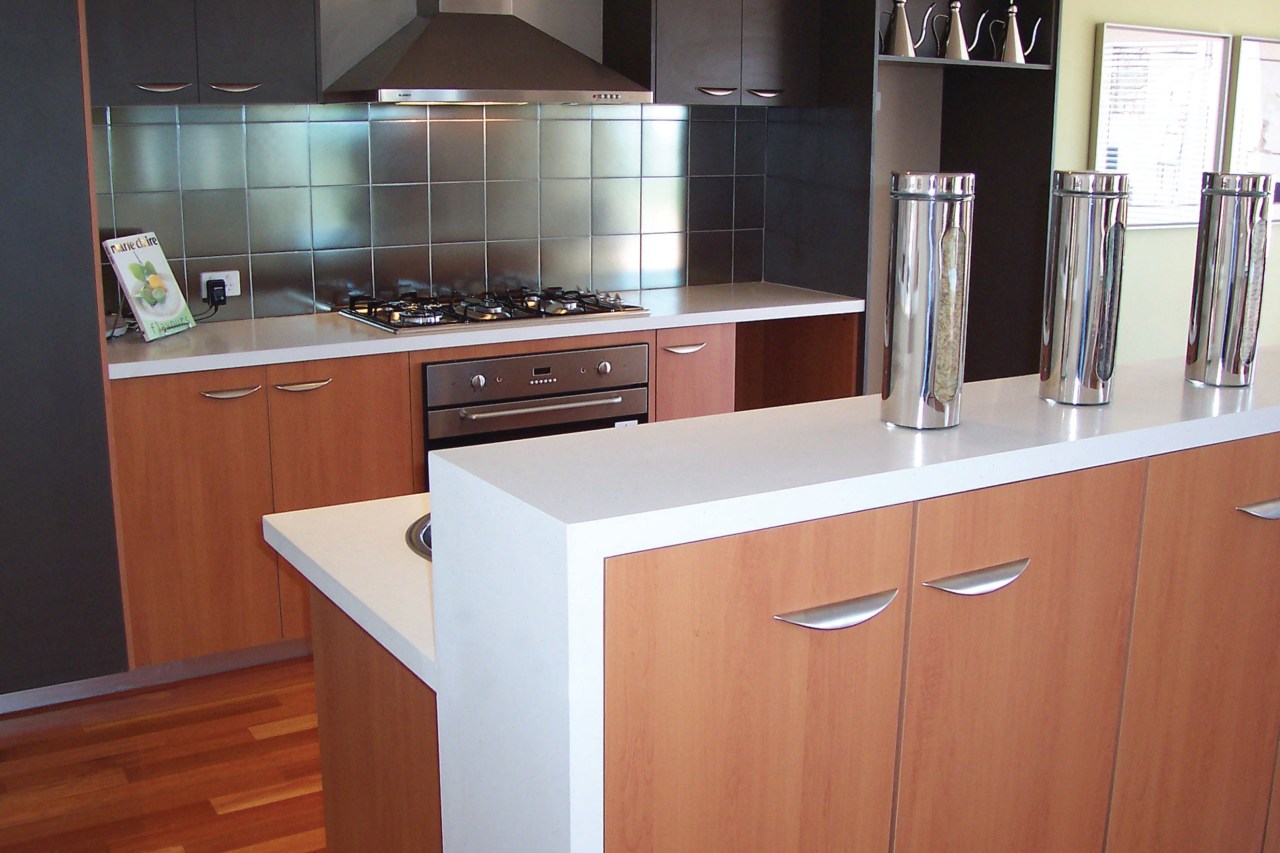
<point>229,762</point>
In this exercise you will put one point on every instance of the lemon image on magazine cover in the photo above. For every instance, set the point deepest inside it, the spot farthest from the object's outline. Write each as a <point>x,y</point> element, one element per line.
<point>154,292</point>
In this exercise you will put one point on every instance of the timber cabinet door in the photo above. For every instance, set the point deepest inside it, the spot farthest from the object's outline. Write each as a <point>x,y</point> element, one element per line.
<point>1202,704</point>
<point>195,465</point>
<point>727,728</point>
<point>339,434</point>
<point>1020,610</point>
<point>694,371</point>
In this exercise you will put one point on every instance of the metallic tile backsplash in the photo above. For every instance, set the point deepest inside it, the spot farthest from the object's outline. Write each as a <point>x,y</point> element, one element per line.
<point>312,203</point>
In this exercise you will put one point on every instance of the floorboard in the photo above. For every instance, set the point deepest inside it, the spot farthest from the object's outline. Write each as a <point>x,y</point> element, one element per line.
<point>225,763</point>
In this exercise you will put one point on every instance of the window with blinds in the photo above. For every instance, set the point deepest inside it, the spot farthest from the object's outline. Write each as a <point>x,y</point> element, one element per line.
<point>1160,97</point>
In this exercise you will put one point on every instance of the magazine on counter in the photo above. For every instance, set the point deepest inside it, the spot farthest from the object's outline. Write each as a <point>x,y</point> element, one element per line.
<point>149,285</point>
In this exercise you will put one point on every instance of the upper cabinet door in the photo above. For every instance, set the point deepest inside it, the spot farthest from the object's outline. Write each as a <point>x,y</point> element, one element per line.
<point>257,51</point>
<point>698,52</point>
<point>142,52</point>
<point>780,43</point>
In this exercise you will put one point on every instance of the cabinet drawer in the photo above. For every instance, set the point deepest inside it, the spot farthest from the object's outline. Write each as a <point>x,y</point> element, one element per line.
<point>694,374</point>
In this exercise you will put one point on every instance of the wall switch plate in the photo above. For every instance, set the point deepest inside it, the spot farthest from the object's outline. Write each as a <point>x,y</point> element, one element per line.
<point>231,277</point>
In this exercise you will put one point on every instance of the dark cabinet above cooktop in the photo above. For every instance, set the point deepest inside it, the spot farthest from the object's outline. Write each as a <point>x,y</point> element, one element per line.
<point>202,52</point>
<point>733,52</point>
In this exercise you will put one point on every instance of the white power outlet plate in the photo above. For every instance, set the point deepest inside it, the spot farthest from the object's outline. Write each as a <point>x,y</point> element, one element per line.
<point>231,277</point>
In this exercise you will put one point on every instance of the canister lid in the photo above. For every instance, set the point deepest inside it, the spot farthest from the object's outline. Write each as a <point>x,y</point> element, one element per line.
<point>953,185</point>
<point>1091,183</point>
<point>1227,183</point>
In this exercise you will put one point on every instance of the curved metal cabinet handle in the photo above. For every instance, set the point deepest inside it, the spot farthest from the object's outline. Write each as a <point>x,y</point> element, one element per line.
<point>231,393</point>
<point>235,88</point>
<point>716,91</point>
<point>1269,510</point>
<point>305,386</point>
<point>841,614</point>
<point>686,349</point>
<point>162,88</point>
<point>765,93</point>
<point>982,581</point>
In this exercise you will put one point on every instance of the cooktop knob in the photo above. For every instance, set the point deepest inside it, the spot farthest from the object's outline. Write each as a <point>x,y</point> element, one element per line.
<point>477,381</point>
<point>604,368</point>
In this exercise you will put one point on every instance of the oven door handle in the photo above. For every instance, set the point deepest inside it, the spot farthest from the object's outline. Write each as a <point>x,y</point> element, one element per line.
<point>533,410</point>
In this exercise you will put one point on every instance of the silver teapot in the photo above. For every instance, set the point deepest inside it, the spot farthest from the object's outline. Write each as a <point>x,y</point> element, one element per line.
<point>897,38</point>
<point>1012,50</point>
<point>952,42</point>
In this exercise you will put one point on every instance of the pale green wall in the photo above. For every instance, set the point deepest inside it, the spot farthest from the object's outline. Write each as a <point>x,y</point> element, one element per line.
<point>1158,262</point>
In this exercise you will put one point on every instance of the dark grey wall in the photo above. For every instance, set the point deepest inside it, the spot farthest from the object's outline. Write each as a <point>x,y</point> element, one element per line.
<point>60,605</point>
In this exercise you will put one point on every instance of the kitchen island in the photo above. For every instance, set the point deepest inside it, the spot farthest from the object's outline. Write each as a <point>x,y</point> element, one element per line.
<point>577,704</point>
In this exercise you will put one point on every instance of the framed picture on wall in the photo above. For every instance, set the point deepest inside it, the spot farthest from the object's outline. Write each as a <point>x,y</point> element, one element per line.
<point>1160,100</point>
<point>1255,117</point>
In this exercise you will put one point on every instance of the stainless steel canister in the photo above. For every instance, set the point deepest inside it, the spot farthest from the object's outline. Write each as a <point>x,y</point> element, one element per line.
<point>1231,257</point>
<point>1087,218</point>
<point>927,308</point>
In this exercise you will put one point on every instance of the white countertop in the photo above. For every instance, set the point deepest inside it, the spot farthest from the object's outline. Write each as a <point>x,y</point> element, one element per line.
<point>248,343</point>
<point>357,556</point>
<point>749,470</point>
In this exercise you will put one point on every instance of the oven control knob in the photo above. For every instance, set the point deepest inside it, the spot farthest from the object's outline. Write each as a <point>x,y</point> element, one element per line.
<point>604,368</point>
<point>477,381</point>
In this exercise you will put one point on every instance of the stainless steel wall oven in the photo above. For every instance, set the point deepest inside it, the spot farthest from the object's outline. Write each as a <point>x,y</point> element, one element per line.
<point>524,396</point>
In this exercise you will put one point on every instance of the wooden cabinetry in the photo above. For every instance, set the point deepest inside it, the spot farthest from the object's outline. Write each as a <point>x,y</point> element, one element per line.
<point>339,434</point>
<point>194,466</point>
<point>1198,737</point>
<point>727,729</point>
<point>202,51</point>
<point>694,372</point>
<point>761,52</point>
<point>203,456</point>
<point>378,745</point>
<point>1012,696</point>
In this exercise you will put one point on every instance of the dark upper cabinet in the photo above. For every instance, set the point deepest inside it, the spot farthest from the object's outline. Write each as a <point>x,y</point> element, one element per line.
<point>755,52</point>
<point>269,45</point>
<point>142,52</point>
<point>780,51</point>
<point>202,51</point>
<point>697,52</point>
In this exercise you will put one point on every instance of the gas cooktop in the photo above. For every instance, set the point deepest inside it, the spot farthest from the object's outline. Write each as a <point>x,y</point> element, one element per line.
<point>414,312</point>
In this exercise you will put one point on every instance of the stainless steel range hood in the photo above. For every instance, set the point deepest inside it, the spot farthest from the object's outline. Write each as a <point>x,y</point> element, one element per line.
<point>463,56</point>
